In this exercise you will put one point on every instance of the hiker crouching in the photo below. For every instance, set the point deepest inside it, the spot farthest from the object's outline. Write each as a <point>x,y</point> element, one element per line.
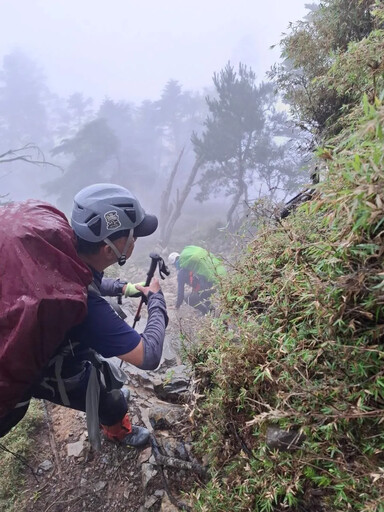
<point>106,220</point>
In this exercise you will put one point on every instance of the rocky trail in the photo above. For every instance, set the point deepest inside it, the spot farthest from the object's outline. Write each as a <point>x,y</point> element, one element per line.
<point>70,476</point>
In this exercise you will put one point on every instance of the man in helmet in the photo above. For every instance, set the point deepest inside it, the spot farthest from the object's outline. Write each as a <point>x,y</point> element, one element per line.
<point>107,220</point>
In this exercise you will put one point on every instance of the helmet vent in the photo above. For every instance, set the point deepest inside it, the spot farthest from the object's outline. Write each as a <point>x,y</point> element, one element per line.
<point>95,226</point>
<point>131,214</point>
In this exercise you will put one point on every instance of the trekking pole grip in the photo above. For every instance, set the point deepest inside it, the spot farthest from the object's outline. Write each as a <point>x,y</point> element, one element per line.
<point>155,258</point>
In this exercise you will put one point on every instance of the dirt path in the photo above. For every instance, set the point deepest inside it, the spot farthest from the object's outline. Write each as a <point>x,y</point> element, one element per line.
<point>71,477</point>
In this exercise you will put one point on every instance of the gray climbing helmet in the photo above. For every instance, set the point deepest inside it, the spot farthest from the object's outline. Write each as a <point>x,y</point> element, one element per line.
<point>103,209</point>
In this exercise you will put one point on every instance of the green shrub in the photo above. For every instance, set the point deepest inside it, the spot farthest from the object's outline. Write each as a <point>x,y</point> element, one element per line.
<point>20,442</point>
<point>300,344</point>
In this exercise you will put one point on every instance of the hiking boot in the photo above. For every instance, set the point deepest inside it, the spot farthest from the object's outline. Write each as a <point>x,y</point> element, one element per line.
<point>138,437</point>
<point>126,433</point>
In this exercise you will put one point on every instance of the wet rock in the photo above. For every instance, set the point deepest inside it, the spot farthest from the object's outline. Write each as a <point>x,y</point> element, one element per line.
<point>173,448</point>
<point>284,440</point>
<point>165,417</point>
<point>173,391</point>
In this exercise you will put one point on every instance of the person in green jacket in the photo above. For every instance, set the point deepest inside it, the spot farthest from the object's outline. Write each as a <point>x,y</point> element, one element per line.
<point>200,270</point>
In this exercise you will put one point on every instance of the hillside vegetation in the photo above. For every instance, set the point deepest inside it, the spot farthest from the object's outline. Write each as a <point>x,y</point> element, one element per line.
<point>290,373</point>
<point>299,345</point>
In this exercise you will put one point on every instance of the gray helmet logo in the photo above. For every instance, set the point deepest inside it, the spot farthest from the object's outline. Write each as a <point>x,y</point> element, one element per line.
<point>112,219</point>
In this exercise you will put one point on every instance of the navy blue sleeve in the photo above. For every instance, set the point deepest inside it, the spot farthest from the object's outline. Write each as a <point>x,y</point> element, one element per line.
<point>111,287</point>
<point>104,331</point>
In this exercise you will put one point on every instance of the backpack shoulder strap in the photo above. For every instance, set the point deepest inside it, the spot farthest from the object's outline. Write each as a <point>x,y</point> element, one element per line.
<point>93,288</point>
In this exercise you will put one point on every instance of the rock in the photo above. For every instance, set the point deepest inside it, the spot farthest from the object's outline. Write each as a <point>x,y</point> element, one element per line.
<point>173,448</point>
<point>167,506</point>
<point>46,465</point>
<point>147,473</point>
<point>168,363</point>
<point>174,384</point>
<point>149,502</point>
<point>174,391</point>
<point>76,449</point>
<point>144,455</point>
<point>165,417</point>
<point>100,486</point>
<point>284,440</point>
<point>134,419</point>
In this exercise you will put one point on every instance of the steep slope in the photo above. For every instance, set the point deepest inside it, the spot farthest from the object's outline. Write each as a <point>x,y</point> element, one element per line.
<point>292,370</point>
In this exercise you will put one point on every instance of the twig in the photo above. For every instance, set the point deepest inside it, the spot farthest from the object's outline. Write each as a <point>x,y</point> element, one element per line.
<point>21,459</point>
<point>52,440</point>
<point>159,459</point>
<point>275,414</point>
<point>67,501</point>
<point>173,462</point>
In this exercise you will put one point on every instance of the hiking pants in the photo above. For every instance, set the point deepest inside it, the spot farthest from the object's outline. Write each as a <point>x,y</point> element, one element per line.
<point>112,404</point>
<point>200,300</point>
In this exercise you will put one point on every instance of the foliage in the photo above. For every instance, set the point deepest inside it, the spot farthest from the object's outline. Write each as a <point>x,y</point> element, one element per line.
<point>80,107</point>
<point>179,113</point>
<point>299,344</point>
<point>310,74</point>
<point>93,147</point>
<point>20,442</point>
<point>24,99</point>
<point>360,69</point>
<point>120,142</point>
<point>238,144</point>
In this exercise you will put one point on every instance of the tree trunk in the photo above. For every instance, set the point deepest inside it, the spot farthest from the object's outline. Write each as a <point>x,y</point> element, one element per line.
<point>165,206</point>
<point>175,211</point>
<point>241,189</point>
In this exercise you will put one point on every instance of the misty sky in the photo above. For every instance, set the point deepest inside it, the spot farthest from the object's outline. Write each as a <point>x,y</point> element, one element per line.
<point>128,49</point>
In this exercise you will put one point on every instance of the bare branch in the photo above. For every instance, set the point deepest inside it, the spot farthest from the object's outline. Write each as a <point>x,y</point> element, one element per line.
<point>14,155</point>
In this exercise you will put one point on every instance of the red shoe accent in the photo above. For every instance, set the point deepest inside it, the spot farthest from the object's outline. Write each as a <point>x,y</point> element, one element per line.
<point>118,431</point>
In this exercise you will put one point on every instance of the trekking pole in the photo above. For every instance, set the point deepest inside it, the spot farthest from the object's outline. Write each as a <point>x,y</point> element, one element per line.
<point>156,260</point>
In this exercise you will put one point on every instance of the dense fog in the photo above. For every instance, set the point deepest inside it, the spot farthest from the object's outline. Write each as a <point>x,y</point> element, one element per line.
<point>172,102</point>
